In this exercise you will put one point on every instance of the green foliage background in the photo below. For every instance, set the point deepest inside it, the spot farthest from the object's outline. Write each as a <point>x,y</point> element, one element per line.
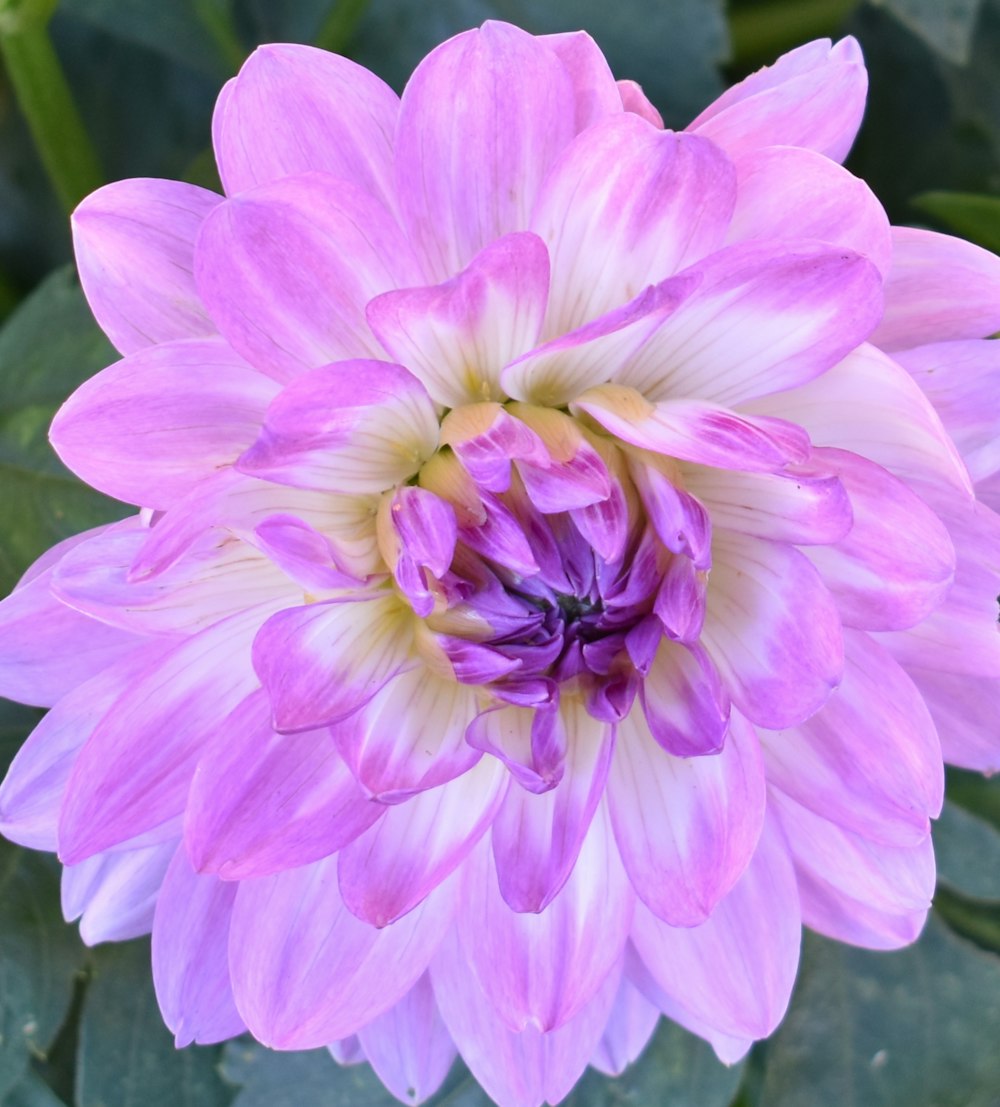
<point>95,90</point>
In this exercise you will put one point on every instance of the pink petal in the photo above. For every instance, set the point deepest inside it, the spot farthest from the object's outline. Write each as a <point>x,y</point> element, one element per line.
<point>530,741</point>
<point>350,427</point>
<point>790,192</point>
<point>32,791</point>
<point>286,270</point>
<point>813,96</point>
<point>115,892</point>
<point>304,554</point>
<point>47,648</point>
<point>594,84</point>
<point>147,429</point>
<point>190,970</point>
<point>516,1069</point>
<point>134,243</point>
<point>939,288</point>
<point>764,317</point>
<point>391,868</point>
<point>870,759</point>
<point>630,1026</point>
<point>540,969</point>
<point>686,709</point>
<point>636,101</point>
<point>686,827</point>
<point>735,971</point>
<point>772,630</point>
<point>261,802</point>
<point>471,174</point>
<point>536,838</point>
<point>457,336</point>
<point>409,1046</point>
<point>321,662</point>
<point>965,710</point>
<point>655,200</point>
<point>305,971</point>
<point>295,108</point>
<point>695,431</point>
<point>134,771</point>
<point>410,736</point>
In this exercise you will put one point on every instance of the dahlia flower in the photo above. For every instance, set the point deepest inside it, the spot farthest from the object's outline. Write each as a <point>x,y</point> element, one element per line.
<point>558,572</point>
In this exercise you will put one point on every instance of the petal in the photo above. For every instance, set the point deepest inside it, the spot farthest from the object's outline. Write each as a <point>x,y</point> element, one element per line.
<point>149,428</point>
<point>190,970</point>
<point>409,1046</point>
<point>790,192</point>
<point>735,971</point>
<point>134,244</point>
<point>686,827</point>
<point>656,201</point>
<point>965,710</point>
<point>286,270</point>
<point>897,562</point>
<point>870,759</point>
<point>939,288</point>
<point>516,1069</point>
<point>350,427</point>
<point>813,96</point>
<point>537,838</point>
<point>261,802</point>
<point>457,336</point>
<point>764,317</point>
<point>295,108</point>
<point>470,174</point>
<point>323,661</point>
<point>694,431</point>
<point>771,629</point>
<point>115,892</point>
<point>135,770</point>
<point>410,736</point>
<point>540,969</point>
<point>594,84</point>
<point>686,709</point>
<point>391,868</point>
<point>306,972</point>
<point>630,1026</point>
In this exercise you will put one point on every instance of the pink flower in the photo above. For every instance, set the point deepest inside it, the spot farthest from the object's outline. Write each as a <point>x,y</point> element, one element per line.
<point>559,569</point>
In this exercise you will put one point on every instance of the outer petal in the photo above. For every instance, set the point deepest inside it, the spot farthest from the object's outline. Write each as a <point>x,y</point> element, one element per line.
<point>593,82</point>
<point>772,630</point>
<point>630,1026</point>
<point>190,970</point>
<point>965,710</point>
<point>457,336</point>
<point>261,802</point>
<point>869,760</point>
<point>295,108</point>
<point>391,868</point>
<point>655,200</point>
<point>790,192</point>
<point>321,662</point>
<point>735,971</point>
<point>147,429</point>
<point>813,96</point>
<point>134,243</point>
<point>351,427</point>
<point>939,288</point>
<point>470,174</point>
<point>686,827</point>
<point>286,271</point>
<point>409,1046</point>
<point>306,972</point>
<point>540,969</point>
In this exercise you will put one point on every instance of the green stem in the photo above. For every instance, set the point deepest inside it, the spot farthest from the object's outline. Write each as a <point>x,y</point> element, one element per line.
<point>47,103</point>
<point>337,31</point>
<point>762,31</point>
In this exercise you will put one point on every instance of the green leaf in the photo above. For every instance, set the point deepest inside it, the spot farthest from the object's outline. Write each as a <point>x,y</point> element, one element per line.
<point>917,1027</point>
<point>974,919</point>
<point>967,849</point>
<point>126,1056</point>
<point>676,1069</point>
<point>673,50</point>
<point>40,957</point>
<point>976,793</point>
<point>973,216</point>
<point>946,26</point>
<point>16,723</point>
<point>31,1091</point>
<point>48,347</point>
